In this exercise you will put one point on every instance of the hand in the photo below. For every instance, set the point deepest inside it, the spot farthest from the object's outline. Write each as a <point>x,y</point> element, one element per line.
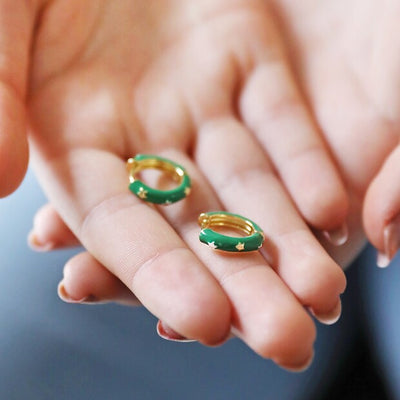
<point>174,79</point>
<point>381,213</point>
<point>346,58</point>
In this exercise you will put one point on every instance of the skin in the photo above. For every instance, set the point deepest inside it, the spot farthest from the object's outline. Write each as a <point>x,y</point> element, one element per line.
<point>349,69</point>
<point>206,85</point>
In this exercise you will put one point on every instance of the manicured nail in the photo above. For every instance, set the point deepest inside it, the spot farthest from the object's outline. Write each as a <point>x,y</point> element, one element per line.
<point>391,243</point>
<point>38,245</point>
<point>382,260</point>
<point>299,367</point>
<point>330,317</point>
<point>64,296</point>
<point>338,236</point>
<point>167,333</point>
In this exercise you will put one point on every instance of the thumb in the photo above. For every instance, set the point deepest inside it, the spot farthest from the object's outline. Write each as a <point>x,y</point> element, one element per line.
<point>16,27</point>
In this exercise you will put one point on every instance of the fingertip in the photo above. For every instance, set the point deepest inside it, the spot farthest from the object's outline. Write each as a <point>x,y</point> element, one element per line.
<point>50,231</point>
<point>87,281</point>
<point>391,243</point>
<point>35,243</point>
<point>381,208</point>
<point>329,317</point>
<point>65,296</point>
<point>77,279</point>
<point>13,165</point>
<point>321,290</point>
<point>84,276</point>
<point>209,322</point>
<point>14,149</point>
<point>291,344</point>
<point>372,215</point>
<point>167,333</point>
<point>326,207</point>
<point>299,366</point>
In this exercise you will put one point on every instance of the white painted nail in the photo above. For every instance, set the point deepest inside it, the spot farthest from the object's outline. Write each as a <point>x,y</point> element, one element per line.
<point>339,236</point>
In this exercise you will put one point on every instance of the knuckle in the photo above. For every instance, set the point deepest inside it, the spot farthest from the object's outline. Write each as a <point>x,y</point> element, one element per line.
<point>245,177</point>
<point>106,209</point>
<point>276,104</point>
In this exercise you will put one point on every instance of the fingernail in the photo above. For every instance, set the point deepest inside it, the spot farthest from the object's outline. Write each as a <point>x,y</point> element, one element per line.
<point>165,332</point>
<point>36,244</point>
<point>300,367</point>
<point>391,243</point>
<point>382,260</point>
<point>338,236</point>
<point>64,296</point>
<point>330,317</point>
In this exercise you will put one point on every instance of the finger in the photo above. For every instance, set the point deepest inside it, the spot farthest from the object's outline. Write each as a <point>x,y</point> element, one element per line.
<point>73,283</point>
<point>136,244</point>
<point>87,281</point>
<point>165,332</point>
<point>247,185</point>
<point>16,26</point>
<point>381,212</point>
<point>360,125</point>
<point>274,110</point>
<point>265,313</point>
<point>49,231</point>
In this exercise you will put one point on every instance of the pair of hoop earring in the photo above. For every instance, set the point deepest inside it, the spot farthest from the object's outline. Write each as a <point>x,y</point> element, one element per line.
<point>253,235</point>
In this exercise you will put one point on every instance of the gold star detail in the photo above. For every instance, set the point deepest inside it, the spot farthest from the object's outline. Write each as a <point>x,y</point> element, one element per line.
<point>240,246</point>
<point>187,191</point>
<point>142,193</point>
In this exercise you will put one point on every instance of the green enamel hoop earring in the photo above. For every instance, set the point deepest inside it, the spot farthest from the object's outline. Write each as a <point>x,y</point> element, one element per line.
<point>149,194</point>
<point>253,240</point>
